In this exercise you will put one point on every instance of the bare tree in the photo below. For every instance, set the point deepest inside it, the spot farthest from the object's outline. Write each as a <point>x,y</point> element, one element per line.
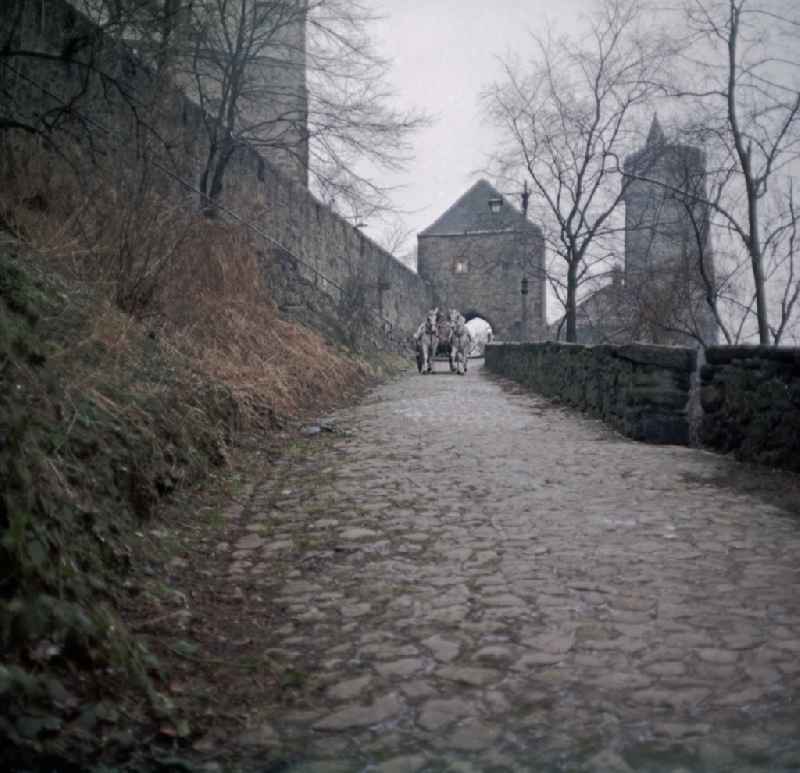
<point>300,80</point>
<point>567,119</point>
<point>743,93</point>
<point>295,79</point>
<point>397,239</point>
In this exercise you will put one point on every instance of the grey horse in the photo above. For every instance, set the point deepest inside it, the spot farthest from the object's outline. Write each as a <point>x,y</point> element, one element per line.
<point>427,339</point>
<point>460,343</point>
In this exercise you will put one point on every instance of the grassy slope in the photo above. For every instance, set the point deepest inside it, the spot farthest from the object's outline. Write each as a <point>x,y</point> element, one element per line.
<point>101,418</point>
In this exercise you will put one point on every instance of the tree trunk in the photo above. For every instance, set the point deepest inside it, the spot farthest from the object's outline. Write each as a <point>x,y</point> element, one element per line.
<point>216,179</point>
<point>211,181</point>
<point>757,262</point>
<point>207,171</point>
<point>745,155</point>
<point>572,293</point>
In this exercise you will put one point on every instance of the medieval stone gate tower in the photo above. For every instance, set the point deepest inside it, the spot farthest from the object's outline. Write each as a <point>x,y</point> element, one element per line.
<point>476,256</point>
<point>669,264</point>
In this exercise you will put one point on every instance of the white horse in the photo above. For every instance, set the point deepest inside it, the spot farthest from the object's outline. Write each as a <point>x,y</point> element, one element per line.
<point>453,316</point>
<point>460,343</point>
<point>427,339</point>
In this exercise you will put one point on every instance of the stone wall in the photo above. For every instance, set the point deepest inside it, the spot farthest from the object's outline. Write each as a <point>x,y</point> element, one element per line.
<point>641,390</point>
<point>328,267</point>
<point>320,268</point>
<point>751,403</point>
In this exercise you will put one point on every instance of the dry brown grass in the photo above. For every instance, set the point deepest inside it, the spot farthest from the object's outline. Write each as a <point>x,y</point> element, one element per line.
<point>137,340</point>
<point>156,266</point>
<point>222,316</point>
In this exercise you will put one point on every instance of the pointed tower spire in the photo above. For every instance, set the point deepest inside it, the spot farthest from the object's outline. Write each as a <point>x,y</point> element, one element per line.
<point>656,134</point>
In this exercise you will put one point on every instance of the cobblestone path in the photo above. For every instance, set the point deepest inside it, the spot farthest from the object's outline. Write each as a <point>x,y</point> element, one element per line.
<point>468,578</point>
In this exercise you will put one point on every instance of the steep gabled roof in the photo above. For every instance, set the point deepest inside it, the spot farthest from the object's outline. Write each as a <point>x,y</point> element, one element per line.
<point>656,134</point>
<point>659,151</point>
<point>471,213</point>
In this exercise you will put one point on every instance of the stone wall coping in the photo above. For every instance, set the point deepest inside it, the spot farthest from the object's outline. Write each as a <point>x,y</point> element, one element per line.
<point>303,192</point>
<point>670,357</point>
<point>640,389</point>
<point>723,355</point>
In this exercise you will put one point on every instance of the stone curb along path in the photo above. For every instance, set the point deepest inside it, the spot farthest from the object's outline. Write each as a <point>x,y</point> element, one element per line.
<point>469,578</point>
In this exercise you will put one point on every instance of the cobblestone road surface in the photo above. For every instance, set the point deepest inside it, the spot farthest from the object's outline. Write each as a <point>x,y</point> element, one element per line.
<point>470,578</point>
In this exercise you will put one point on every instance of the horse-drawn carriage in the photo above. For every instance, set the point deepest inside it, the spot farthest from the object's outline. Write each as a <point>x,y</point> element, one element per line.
<point>441,335</point>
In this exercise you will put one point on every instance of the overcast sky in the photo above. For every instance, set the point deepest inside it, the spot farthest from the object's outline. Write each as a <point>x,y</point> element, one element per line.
<point>444,52</point>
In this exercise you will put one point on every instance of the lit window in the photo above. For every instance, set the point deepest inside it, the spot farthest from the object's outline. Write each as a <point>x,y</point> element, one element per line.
<point>494,205</point>
<point>461,267</point>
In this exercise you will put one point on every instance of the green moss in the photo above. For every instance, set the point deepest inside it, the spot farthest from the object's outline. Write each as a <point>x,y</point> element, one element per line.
<point>89,442</point>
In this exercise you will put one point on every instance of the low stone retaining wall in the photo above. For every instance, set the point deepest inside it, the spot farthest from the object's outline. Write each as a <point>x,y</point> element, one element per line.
<point>751,403</point>
<point>641,390</point>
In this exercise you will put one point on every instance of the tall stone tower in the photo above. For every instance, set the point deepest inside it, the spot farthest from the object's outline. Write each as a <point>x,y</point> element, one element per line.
<point>272,106</point>
<point>283,69</point>
<point>477,254</point>
<point>668,259</point>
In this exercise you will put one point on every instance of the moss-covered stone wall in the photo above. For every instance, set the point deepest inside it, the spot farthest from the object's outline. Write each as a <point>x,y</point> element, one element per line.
<point>751,403</point>
<point>641,390</point>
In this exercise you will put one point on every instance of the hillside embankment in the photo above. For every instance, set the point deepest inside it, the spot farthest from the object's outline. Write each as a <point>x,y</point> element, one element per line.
<point>145,373</point>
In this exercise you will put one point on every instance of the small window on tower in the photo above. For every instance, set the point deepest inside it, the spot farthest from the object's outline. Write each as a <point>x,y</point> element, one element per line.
<point>495,205</point>
<point>461,267</point>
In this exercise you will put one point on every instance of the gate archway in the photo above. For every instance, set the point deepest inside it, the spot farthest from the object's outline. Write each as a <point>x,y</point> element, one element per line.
<point>475,314</point>
<point>482,330</point>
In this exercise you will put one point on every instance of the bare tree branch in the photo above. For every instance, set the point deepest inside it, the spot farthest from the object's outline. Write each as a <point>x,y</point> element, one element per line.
<point>299,80</point>
<point>566,121</point>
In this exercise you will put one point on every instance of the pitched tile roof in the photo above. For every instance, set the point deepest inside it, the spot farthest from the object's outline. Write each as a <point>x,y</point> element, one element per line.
<point>471,213</point>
